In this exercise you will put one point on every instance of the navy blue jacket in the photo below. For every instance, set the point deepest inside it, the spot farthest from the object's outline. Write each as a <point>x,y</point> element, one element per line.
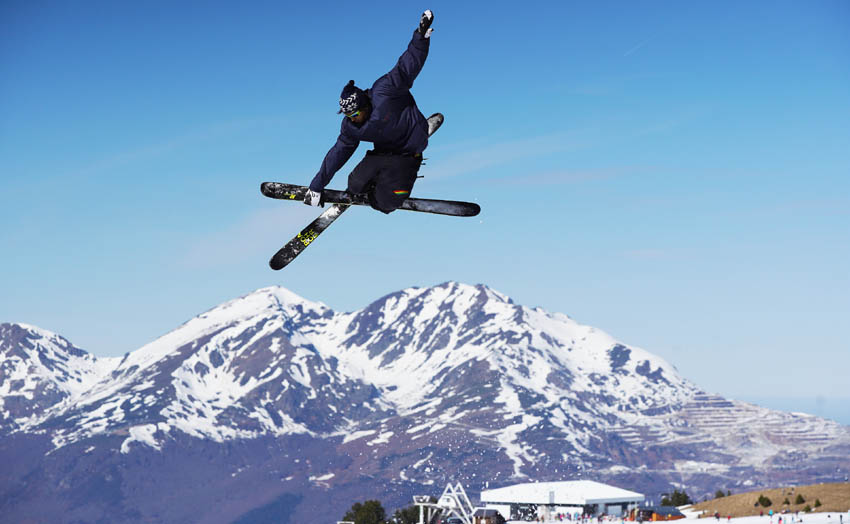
<point>396,125</point>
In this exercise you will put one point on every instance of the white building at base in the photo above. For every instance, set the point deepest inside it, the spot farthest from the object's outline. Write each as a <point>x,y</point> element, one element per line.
<point>547,499</point>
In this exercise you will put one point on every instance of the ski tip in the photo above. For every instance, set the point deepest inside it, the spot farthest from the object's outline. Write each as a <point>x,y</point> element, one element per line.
<point>276,264</point>
<point>470,209</point>
<point>264,188</point>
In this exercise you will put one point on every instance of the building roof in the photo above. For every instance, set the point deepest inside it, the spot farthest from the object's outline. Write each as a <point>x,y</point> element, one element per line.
<point>485,512</point>
<point>573,492</point>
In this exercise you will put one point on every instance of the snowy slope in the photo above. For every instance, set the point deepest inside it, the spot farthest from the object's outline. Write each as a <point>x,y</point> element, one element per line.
<point>268,359</point>
<point>39,370</point>
<point>467,356</point>
<point>427,332</point>
<point>422,385</point>
<point>243,369</point>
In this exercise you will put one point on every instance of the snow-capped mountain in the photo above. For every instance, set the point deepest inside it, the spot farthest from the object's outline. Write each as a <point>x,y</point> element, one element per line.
<point>38,370</point>
<point>423,386</point>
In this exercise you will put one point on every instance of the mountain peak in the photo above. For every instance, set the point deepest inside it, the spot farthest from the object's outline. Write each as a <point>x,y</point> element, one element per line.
<point>33,337</point>
<point>272,298</point>
<point>274,304</point>
<point>459,289</point>
<point>39,370</point>
<point>410,387</point>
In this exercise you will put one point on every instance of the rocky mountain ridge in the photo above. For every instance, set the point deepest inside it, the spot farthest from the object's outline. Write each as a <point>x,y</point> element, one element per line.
<point>423,386</point>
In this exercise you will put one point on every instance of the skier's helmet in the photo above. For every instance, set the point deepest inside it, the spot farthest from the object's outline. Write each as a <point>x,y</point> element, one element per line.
<point>352,99</point>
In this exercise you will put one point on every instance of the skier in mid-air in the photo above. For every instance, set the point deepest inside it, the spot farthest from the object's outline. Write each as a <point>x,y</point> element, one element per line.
<point>386,115</point>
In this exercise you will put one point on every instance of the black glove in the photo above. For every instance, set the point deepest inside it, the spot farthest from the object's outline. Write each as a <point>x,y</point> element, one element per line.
<point>425,24</point>
<point>314,198</point>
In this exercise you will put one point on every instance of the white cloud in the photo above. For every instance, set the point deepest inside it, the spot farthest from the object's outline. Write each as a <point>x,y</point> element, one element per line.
<point>480,157</point>
<point>570,176</point>
<point>169,145</point>
<point>257,235</point>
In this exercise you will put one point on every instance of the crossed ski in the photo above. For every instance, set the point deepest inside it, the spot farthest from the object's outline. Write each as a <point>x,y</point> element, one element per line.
<point>341,201</point>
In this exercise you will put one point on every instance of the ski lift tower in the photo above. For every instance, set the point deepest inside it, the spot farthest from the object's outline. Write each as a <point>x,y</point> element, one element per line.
<point>427,509</point>
<point>452,503</point>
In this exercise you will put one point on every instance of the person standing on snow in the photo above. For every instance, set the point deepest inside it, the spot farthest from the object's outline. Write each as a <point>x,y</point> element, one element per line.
<point>386,115</point>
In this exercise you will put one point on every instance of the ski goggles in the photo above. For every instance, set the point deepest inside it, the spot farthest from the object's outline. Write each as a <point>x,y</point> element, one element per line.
<point>355,114</point>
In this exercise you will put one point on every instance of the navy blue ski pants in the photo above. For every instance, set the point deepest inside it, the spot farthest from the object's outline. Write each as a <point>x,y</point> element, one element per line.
<point>387,178</point>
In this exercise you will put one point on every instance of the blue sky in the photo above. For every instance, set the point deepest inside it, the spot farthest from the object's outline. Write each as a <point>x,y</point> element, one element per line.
<point>675,174</point>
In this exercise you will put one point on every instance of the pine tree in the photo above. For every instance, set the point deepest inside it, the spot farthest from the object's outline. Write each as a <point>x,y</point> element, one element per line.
<point>817,503</point>
<point>719,494</point>
<point>799,499</point>
<point>408,515</point>
<point>370,512</point>
<point>677,498</point>
<point>764,501</point>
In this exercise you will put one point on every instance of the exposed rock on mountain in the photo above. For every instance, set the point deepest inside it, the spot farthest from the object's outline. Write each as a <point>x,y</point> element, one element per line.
<point>272,397</point>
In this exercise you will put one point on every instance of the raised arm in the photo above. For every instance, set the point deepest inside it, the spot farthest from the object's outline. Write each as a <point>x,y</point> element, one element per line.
<point>411,61</point>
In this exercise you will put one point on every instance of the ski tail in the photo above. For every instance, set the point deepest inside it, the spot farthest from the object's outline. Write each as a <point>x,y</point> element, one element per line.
<point>299,243</point>
<point>282,191</point>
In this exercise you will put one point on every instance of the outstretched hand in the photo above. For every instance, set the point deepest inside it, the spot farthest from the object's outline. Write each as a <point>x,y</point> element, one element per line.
<point>425,23</point>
